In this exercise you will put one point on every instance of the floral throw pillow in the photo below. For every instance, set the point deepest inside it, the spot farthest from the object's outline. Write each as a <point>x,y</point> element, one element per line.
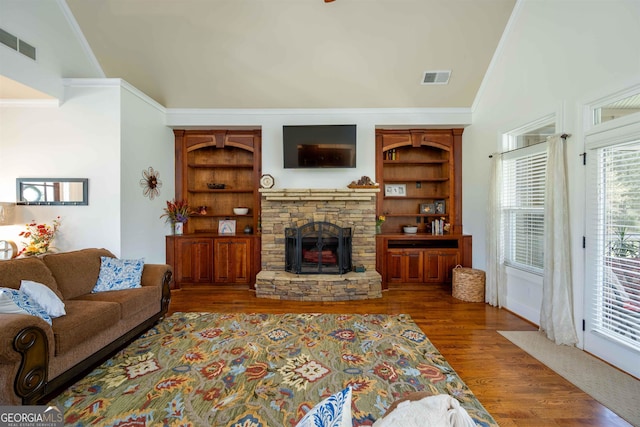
<point>118,274</point>
<point>44,296</point>
<point>334,411</point>
<point>13,301</point>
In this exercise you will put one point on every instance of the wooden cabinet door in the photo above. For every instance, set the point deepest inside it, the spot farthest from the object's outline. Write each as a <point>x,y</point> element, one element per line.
<point>193,260</point>
<point>439,264</point>
<point>432,272</point>
<point>448,261</point>
<point>404,266</point>
<point>232,260</point>
<point>413,266</point>
<point>394,265</point>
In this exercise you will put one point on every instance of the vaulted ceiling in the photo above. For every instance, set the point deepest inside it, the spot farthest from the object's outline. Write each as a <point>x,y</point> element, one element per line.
<point>295,53</point>
<point>266,54</point>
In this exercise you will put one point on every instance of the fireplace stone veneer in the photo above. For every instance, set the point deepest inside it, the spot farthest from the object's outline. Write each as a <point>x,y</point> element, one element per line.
<point>348,208</point>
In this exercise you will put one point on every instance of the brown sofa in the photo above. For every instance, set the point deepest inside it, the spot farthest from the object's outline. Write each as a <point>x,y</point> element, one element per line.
<point>37,360</point>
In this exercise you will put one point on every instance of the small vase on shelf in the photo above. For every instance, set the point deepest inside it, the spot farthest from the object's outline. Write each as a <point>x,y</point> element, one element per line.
<point>178,228</point>
<point>378,229</point>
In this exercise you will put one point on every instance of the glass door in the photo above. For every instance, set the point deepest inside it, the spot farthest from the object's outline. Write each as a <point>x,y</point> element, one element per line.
<point>612,297</point>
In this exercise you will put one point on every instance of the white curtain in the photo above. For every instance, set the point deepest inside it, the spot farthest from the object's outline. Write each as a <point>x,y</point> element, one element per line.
<point>495,287</point>
<point>556,313</point>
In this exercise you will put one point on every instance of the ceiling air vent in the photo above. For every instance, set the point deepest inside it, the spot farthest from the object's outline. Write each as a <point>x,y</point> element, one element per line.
<point>16,44</point>
<point>436,77</point>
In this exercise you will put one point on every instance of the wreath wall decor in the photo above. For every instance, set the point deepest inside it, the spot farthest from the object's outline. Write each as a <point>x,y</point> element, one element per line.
<point>150,183</point>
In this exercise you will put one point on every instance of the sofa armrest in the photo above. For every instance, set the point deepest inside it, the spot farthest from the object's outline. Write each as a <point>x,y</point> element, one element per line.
<point>26,343</point>
<point>159,275</point>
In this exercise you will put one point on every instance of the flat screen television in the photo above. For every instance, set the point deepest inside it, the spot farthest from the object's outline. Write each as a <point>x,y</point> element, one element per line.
<point>319,146</point>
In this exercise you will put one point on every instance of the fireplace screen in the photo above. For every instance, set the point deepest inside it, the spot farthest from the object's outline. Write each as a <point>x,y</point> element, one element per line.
<point>318,248</point>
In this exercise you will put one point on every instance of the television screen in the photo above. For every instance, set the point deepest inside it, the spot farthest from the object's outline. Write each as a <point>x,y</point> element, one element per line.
<point>319,146</point>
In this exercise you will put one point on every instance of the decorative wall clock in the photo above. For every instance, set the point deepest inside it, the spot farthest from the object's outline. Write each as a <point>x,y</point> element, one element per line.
<point>150,183</point>
<point>266,181</point>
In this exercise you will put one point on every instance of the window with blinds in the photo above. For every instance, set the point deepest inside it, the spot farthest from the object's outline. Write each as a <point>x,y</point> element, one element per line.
<point>617,222</point>
<point>523,210</point>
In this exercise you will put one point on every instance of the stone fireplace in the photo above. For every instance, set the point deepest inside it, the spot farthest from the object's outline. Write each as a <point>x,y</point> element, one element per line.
<point>352,209</point>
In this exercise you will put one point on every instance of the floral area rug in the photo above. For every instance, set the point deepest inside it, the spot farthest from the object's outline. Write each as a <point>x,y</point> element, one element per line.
<point>262,370</point>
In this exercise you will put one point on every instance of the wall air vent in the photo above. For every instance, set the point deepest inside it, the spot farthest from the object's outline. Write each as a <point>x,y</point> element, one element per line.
<point>16,44</point>
<point>436,77</point>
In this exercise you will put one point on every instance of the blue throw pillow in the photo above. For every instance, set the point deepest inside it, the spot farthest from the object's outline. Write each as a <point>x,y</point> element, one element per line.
<point>334,411</point>
<point>117,274</point>
<point>13,301</point>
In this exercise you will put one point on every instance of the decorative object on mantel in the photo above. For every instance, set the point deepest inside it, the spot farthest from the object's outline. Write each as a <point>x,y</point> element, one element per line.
<point>150,183</point>
<point>177,213</point>
<point>266,181</point>
<point>363,182</point>
<point>40,237</point>
<point>215,186</point>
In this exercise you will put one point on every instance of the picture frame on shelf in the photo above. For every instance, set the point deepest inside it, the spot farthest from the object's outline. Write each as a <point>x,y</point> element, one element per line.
<point>439,206</point>
<point>395,190</point>
<point>427,208</point>
<point>227,226</point>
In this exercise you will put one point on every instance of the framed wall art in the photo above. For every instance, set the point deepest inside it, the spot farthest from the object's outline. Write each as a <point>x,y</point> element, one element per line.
<point>427,208</point>
<point>227,226</point>
<point>395,190</point>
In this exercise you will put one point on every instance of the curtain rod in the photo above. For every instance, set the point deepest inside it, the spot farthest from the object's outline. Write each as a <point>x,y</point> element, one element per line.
<point>563,136</point>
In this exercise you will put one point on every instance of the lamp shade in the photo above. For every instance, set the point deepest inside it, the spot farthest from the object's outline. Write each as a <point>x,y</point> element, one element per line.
<point>6,213</point>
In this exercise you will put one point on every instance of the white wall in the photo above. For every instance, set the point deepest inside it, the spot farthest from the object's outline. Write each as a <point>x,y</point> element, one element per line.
<point>554,55</point>
<point>79,139</point>
<point>145,142</point>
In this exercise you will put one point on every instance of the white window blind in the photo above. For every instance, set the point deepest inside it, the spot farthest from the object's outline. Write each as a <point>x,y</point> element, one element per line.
<point>523,209</point>
<point>617,221</point>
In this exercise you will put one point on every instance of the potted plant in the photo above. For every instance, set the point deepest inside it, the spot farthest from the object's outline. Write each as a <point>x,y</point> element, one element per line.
<point>176,213</point>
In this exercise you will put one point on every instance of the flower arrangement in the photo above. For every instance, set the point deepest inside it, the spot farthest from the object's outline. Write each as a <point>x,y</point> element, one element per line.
<point>380,220</point>
<point>40,237</point>
<point>176,211</point>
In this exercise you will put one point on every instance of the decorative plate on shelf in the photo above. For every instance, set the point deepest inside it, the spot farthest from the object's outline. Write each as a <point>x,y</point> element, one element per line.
<point>266,181</point>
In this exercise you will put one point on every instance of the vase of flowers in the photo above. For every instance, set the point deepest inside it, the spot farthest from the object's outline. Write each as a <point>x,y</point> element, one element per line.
<point>40,237</point>
<point>379,221</point>
<point>176,213</point>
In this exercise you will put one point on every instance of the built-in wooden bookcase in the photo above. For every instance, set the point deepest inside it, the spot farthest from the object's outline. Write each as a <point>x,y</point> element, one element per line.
<point>218,158</point>
<point>218,170</point>
<point>419,172</point>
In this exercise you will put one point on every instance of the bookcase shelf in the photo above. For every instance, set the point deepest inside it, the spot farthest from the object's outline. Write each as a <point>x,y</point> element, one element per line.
<point>421,168</point>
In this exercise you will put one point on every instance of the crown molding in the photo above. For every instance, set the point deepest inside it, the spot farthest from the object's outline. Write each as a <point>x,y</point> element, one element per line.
<point>114,83</point>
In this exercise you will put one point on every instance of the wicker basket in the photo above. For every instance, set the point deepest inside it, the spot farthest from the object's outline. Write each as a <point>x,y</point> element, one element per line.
<point>468,284</point>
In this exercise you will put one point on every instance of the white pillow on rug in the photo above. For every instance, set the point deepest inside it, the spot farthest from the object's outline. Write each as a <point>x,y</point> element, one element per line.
<point>118,274</point>
<point>334,411</point>
<point>440,410</point>
<point>44,296</point>
<point>13,301</point>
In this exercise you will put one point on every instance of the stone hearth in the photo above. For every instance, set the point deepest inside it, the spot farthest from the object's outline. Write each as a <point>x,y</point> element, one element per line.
<point>354,208</point>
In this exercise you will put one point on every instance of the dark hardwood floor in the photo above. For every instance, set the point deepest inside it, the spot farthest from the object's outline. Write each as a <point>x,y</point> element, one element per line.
<point>513,386</point>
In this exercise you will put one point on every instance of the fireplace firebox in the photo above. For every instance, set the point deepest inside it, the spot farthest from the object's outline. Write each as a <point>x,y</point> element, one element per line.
<point>318,248</point>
